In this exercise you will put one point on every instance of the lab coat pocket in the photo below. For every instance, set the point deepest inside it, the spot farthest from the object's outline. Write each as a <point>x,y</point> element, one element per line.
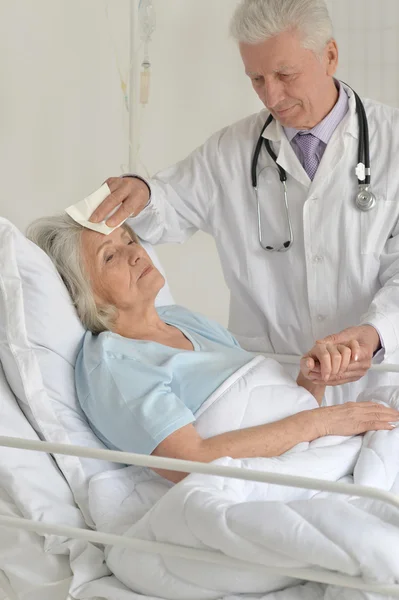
<point>376,226</point>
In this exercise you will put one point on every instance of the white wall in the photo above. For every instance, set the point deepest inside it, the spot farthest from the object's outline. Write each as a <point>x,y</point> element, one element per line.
<point>198,87</point>
<point>64,127</point>
<point>367,33</point>
<point>60,107</point>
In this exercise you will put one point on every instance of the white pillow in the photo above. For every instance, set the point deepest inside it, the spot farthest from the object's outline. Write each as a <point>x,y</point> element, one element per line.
<point>32,479</point>
<point>40,336</point>
<point>32,487</point>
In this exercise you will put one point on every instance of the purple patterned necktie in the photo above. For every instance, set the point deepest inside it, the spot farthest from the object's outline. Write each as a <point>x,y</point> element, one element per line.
<point>308,144</point>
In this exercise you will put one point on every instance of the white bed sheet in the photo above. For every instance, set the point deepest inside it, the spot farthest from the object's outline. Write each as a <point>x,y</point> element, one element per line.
<point>28,572</point>
<point>31,572</point>
<point>6,591</point>
<point>242,519</point>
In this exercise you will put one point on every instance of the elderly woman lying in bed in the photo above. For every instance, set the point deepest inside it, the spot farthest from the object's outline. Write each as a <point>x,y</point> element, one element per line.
<point>144,372</point>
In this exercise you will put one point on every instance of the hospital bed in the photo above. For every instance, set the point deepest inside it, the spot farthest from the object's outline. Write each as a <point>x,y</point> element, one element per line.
<point>48,550</point>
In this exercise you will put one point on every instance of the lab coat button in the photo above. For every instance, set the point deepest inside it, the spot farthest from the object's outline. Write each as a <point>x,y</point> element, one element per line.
<point>317,259</point>
<point>321,318</point>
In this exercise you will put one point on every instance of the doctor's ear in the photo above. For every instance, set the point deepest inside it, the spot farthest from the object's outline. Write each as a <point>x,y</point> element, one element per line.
<point>331,53</point>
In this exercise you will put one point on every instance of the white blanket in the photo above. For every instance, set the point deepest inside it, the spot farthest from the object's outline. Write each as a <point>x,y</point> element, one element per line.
<point>265,524</point>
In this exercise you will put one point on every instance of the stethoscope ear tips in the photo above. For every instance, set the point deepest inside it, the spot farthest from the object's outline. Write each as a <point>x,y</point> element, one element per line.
<point>283,248</point>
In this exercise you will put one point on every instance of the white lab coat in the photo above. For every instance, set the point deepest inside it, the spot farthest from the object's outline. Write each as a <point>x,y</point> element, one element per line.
<point>343,268</point>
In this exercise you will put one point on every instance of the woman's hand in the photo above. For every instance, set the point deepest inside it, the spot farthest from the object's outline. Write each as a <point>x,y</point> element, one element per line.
<point>327,362</point>
<point>351,418</point>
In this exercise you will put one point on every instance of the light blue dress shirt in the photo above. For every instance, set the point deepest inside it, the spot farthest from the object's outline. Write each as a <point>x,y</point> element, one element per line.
<point>322,131</point>
<point>135,393</point>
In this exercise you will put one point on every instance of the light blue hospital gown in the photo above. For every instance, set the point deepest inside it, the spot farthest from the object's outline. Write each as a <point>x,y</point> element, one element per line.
<point>135,393</point>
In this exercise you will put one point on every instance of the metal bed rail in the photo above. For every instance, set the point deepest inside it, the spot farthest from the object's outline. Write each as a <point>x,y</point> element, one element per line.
<point>293,359</point>
<point>317,575</point>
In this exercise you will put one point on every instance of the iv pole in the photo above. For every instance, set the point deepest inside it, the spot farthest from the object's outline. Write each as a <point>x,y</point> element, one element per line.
<point>133,87</point>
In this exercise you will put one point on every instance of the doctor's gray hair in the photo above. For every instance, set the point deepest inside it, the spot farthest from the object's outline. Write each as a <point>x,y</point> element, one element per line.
<point>59,236</point>
<point>255,21</point>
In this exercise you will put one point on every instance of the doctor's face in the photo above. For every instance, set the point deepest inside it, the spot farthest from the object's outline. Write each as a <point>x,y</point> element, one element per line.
<point>294,84</point>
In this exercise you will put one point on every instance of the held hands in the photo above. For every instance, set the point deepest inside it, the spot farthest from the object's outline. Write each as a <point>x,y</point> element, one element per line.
<point>341,358</point>
<point>131,192</point>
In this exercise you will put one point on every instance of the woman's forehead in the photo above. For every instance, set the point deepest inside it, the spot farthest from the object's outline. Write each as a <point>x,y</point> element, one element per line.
<point>92,240</point>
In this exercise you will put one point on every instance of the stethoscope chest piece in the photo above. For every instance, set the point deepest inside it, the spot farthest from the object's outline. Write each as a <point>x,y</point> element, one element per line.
<point>365,200</point>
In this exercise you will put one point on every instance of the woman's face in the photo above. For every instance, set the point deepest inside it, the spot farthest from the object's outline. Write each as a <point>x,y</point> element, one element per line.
<point>120,271</point>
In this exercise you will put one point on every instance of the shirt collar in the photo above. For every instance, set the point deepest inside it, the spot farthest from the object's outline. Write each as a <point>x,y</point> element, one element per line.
<point>324,130</point>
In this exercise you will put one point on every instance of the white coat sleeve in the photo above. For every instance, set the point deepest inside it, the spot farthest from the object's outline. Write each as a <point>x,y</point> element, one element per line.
<point>183,196</point>
<point>383,312</point>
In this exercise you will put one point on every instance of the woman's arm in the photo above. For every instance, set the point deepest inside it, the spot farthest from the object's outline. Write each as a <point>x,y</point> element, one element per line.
<point>317,390</point>
<point>273,439</point>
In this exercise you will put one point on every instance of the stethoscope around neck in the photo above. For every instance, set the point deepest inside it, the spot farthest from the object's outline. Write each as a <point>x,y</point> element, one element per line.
<point>365,199</point>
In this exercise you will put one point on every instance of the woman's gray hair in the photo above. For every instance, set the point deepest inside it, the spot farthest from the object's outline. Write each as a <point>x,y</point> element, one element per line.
<point>59,237</point>
<point>255,21</point>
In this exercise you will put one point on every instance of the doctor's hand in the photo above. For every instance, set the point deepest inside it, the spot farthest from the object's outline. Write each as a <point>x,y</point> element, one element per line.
<point>130,192</point>
<point>363,342</point>
<point>328,362</point>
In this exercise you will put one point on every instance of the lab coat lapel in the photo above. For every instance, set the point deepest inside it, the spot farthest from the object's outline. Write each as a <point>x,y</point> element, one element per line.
<point>333,154</point>
<point>286,156</point>
<point>336,147</point>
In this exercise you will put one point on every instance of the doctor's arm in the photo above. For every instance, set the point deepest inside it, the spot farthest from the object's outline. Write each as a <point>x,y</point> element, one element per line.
<point>383,312</point>
<point>379,328</point>
<point>174,204</point>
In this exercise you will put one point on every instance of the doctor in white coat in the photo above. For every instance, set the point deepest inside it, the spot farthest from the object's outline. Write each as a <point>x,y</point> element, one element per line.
<point>339,280</point>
